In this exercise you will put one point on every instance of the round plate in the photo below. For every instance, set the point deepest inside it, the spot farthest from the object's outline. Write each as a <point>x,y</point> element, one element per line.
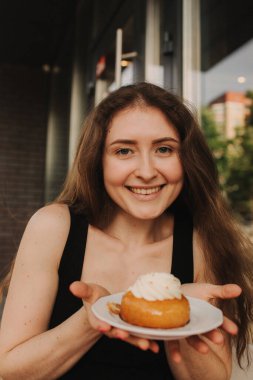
<point>203,318</point>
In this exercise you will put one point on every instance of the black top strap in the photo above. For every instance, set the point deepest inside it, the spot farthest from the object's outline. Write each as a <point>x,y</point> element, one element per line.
<point>70,269</point>
<point>182,254</point>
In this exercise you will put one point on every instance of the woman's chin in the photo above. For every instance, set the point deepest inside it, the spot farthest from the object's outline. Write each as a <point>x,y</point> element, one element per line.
<point>146,215</point>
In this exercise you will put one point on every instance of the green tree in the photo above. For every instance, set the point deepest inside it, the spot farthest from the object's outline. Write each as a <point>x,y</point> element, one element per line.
<point>249,117</point>
<point>239,185</point>
<point>218,144</point>
<point>234,160</point>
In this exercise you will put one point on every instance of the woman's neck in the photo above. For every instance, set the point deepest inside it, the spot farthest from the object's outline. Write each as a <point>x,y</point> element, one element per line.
<point>137,232</point>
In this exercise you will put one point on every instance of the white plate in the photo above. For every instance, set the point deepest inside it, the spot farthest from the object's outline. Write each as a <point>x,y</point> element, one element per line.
<point>203,318</point>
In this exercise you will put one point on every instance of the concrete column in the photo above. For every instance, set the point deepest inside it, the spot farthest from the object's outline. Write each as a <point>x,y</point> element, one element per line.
<point>77,108</point>
<point>191,52</point>
<point>153,69</point>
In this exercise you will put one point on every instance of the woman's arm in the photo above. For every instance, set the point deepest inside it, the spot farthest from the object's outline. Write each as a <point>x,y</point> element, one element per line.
<point>207,356</point>
<point>27,349</point>
<point>51,353</point>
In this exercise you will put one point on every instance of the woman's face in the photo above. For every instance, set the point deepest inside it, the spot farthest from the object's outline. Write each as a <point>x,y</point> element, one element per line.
<point>143,174</point>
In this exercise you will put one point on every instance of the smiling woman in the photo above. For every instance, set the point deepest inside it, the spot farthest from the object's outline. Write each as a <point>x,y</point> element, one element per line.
<point>142,196</point>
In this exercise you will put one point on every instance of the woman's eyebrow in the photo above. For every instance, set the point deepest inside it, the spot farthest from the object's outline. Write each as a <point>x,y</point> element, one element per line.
<point>164,139</point>
<point>124,141</point>
<point>133,142</point>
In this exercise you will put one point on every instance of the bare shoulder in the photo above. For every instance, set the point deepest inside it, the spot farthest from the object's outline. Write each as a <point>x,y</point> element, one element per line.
<point>46,233</point>
<point>54,215</point>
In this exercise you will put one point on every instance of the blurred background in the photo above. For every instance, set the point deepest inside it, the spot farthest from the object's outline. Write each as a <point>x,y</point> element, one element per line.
<point>58,58</point>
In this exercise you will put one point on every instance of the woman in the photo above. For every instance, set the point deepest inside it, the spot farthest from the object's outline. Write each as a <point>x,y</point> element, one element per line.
<point>142,196</point>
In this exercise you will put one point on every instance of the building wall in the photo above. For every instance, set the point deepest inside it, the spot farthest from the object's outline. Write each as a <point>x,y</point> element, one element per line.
<point>23,120</point>
<point>58,133</point>
<point>230,111</point>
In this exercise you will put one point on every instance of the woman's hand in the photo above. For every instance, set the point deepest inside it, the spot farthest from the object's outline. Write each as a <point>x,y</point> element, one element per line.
<point>90,293</point>
<point>207,292</point>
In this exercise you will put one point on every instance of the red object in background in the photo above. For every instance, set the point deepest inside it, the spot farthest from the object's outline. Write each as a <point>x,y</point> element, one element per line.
<point>101,65</point>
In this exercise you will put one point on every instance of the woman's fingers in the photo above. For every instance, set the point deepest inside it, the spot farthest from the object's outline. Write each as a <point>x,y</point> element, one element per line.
<point>198,344</point>
<point>174,350</point>
<point>117,333</point>
<point>154,347</point>
<point>88,292</point>
<point>143,344</point>
<point>209,291</point>
<point>229,326</point>
<point>195,342</point>
<point>225,291</point>
<point>81,290</point>
<point>215,336</point>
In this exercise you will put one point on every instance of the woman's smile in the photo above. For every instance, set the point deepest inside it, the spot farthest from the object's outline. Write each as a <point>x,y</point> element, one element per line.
<point>143,173</point>
<point>144,190</point>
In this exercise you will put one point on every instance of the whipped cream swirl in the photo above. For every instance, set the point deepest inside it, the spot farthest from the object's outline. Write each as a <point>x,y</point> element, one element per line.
<point>157,286</point>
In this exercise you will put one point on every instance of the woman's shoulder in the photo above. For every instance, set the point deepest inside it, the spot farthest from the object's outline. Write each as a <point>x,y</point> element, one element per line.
<point>43,240</point>
<point>55,215</point>
<point>47,231</point>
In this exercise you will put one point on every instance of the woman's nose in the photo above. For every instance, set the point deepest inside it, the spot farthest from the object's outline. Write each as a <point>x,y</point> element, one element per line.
<point>146,169</point>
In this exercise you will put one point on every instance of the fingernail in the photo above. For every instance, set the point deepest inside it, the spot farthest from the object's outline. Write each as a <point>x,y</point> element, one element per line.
<point>176,358</point>
<point>155,349</point>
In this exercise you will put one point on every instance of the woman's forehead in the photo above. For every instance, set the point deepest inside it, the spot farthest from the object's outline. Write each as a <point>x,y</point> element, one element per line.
<point>143,120</point>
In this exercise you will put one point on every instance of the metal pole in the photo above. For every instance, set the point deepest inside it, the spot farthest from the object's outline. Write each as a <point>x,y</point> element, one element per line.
<point>118,57</point>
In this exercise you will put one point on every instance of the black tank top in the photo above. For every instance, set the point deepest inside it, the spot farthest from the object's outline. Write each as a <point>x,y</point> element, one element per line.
<point>111,359</point>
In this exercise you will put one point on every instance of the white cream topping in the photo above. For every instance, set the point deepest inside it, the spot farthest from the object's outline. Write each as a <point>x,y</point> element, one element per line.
<point>157,286</point>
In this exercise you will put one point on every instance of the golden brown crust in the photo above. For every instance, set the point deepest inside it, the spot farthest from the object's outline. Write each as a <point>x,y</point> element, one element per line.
<point>114,308</point>
<point>155,314</point>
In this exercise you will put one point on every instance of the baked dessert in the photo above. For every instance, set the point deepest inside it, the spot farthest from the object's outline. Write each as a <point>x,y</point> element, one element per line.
<point>155,300</point>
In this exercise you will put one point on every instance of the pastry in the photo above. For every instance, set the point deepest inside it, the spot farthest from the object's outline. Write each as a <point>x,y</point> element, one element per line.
<point>156,301</point>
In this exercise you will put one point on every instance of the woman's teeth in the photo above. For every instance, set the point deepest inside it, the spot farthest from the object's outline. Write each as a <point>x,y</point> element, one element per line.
<point>145,191</point>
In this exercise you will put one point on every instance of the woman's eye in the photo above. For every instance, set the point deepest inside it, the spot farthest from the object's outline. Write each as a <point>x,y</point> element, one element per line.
<point>164,149</point>
<point>123,151</point>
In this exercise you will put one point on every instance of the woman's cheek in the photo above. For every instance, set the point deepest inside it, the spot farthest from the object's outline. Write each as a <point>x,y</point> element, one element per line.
<point>116,171</point>
<point>173,172</point>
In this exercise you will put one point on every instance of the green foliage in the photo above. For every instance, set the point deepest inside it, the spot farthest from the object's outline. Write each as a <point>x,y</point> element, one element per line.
<point>234,159</point>
<point>239,186</point>
<point>218,144</point>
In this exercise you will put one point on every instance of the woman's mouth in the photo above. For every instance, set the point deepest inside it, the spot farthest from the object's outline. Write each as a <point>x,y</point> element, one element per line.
<point>144,190</point>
